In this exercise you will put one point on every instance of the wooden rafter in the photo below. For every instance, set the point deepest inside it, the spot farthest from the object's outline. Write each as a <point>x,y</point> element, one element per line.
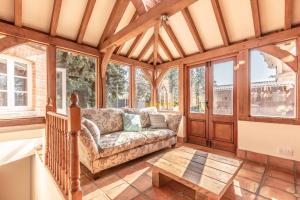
<point>18,12</point>
<point>220,21</point>
<point>139,6</point>
<point>123,59</point>
<point>256,17</point>
<point>135,44</point>
<point>155,44</point>
<point>189,20</point>
<point>165,48</point>
<point>174,40</point>
<point>151,59</point>
<point>10,41</point>
<point>55,16</point>
<point>145,21</point>
<point>159,58</point>
<point>146,48</point>
<point>288,10</point>
<point>114,19</point>
<point>85,20</point>
<point>283,55</point>
<point>235,48</point>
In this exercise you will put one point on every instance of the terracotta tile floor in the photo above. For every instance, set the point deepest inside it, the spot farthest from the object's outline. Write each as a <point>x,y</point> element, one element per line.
<point>133,181</point>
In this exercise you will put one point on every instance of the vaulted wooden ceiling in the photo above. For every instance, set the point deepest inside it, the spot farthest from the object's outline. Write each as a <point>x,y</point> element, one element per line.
<point>134,29</point>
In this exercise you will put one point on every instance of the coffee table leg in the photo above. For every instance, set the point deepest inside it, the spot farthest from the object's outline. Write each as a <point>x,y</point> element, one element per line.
<point>159,179</point>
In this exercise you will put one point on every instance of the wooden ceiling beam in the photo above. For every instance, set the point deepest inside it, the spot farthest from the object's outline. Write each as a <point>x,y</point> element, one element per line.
<point>155,45</point>
<point>85,20</point>
<point>145,21</point>
<point>10,41</point>
<point>288,14</point>
<point>139,6</point>
<point>55,16</point>
<point>220,21</point>
<point>256,17</point>
<point>113,20</point>
<point>235,48</point>
<point>105,60</point>
<point>174,40</point>
<point>151,59</point>
<point>189,20</point>
<point>159,58</point>
<point>146,48</point>
<point>18,12</point>
<point>135,44</point>
<point>125,60</point>
<point>165,48</point>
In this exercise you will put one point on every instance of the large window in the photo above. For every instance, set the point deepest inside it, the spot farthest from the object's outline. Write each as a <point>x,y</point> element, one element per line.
<point>168,91</point>
<point>142,89</point>
<point>75,73</point>
<point>15,84</point>
<point>197,89</point>
<point>117,85</point>
<point>273,86</point>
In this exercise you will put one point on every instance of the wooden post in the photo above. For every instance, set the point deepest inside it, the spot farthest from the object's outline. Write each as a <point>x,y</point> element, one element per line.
<point>74,126</point>
<point>49,107</point>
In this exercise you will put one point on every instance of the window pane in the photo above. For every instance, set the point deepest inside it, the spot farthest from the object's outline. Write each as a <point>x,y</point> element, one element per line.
<point>197,89</point>
<point>117,85</point>
<point>142,89</point>
<point>168,91</point>
<point>223,88</point>
<point>273,86</point>
<point>20,69</point>
<point>3,67</point>
<point>3,99</point>
<point>59,90</point>
<point>20,99</point>
<point>3,82</point>
<point>80,77</point>
<point>20,84</point>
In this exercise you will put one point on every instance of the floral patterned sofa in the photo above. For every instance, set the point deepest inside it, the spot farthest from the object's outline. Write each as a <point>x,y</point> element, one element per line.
<point>107,145</point>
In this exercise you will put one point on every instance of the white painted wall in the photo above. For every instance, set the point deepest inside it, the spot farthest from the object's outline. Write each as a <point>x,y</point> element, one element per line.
<point>267,138</point>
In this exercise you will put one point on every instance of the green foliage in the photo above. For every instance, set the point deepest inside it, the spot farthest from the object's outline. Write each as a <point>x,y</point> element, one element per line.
<point>143,88</point>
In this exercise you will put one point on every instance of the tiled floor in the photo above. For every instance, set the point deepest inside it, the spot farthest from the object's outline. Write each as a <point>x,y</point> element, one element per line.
<point>133,181</point>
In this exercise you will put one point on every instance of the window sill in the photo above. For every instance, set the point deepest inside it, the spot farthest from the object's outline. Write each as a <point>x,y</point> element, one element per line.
<point>22,121</point>
<point>270,120</point>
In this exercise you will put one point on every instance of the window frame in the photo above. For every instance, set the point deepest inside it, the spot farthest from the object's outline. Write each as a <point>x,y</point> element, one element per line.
<point>11,107</point>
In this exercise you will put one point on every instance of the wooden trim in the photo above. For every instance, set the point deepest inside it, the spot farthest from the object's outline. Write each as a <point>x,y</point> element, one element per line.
<point>151,59</point>
<point>105,60</point>
<point>122,59</point>
<point>220,21</point>
<point>139,6</point>
<point>146,21</point>
<point>283,55</point>
<point>22,121</point>
<point>146,48</point>
<point>18,12</point>
<point>36,36</point>
<point>99,86</point>
<point>191,25</point>
<point>135,44</point>
<point>181,139</point>
<point>51,75</point>
<point>55,16</point>
<point>174,40</point>
<point>9,41</point>
<point>155,45</point>
<point>165,48</point>
<point>288,14</point>
<point>256,17</point>
<point>85,20</point>
<point>270,120</point>
<point>235,48</point>
<point>159,58</point>
<point>113,21</point>
<point>298,78</point>
<point>182,89</point>
<point>132,91</point>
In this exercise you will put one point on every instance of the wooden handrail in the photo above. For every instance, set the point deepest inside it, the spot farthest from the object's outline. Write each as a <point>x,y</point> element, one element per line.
<point>62,153</point>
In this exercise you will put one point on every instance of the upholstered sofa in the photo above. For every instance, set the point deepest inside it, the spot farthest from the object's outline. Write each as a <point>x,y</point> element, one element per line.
<point>109,145</point>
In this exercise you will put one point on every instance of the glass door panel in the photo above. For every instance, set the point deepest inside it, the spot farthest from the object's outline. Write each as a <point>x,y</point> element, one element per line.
<point>197,90</point>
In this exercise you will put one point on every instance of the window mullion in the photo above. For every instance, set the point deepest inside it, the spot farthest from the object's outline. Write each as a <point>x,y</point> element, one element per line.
<point>10,84</point>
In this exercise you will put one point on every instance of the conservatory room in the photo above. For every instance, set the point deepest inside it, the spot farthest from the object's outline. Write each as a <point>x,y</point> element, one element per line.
<point>150,100</point>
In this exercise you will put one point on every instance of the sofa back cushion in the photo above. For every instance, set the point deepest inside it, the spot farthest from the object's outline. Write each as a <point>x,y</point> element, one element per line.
<point>158,121</point>
<point>108,120</point>
<point>132,122</point>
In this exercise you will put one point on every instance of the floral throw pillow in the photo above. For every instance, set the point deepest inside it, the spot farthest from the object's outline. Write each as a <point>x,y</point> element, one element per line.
<point>132,122</point>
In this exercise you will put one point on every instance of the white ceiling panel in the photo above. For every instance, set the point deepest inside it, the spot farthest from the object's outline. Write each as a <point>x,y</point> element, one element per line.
<point>126,46</point>
<point>68,8</point>
<point>296,12</point>
<point>148,54</point>
<point>164,35</point>
<point>128,14</point>
<point>143,42</point>
<point>7,10</point>
<point>162,53</point>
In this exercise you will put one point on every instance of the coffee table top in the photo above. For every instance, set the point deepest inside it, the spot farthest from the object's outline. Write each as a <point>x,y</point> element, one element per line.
<point>205,172</point>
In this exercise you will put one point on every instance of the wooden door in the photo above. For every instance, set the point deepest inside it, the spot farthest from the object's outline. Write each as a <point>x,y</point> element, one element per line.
<point>222,104</point>
<point>211,102</point>
<point>198,105</point>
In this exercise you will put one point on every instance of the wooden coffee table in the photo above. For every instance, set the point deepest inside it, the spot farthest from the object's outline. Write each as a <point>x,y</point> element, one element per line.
<point>208,174</point>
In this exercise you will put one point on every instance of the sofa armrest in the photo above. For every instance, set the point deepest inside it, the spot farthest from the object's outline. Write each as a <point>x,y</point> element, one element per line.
<point>88,143</point>
<point>173,120</point>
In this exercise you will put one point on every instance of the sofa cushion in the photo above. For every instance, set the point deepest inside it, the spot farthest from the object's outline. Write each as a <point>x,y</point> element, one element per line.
<point>116,142</point>
<point>108,120</point>
<point>158,121</point>
<point>155,135</point>
<point>92,129</point>
<point>144,113</point>
<point>132,122</point>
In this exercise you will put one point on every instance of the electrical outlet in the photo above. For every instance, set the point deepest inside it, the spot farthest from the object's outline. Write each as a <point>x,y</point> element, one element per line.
<point>286,151</point>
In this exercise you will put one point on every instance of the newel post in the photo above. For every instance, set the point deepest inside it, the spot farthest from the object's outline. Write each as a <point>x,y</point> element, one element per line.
<point>49,107</point>
<point>74,123</point>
